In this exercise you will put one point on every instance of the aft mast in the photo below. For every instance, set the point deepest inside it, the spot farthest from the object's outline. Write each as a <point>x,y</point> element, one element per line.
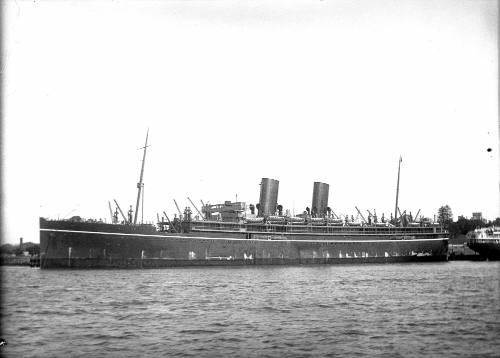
<point>397,190</point>
<point>140,184</point>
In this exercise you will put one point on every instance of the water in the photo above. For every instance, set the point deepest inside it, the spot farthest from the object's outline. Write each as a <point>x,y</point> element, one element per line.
<point>439,309</point>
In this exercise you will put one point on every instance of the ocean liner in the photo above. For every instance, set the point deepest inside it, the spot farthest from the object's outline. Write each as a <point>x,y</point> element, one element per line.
<point>233,233</point>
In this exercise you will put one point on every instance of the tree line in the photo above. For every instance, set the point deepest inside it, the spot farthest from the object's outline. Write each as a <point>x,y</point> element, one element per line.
<point>9,249</point>
<point>462,226</point>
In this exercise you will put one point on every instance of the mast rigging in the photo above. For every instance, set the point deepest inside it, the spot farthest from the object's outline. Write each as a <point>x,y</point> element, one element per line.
<point>397,190</point>
<point>140,184</point>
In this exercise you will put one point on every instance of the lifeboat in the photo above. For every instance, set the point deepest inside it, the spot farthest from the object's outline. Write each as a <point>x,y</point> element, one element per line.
<point>255,220</point>
<point>295,220</point>
<point>276,219</point>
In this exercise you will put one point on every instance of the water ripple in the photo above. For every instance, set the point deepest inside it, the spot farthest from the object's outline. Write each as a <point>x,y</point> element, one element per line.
<point>404,310</point>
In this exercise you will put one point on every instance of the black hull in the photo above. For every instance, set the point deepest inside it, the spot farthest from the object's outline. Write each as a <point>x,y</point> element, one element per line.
<point>487,250</point>
<point>86,263</point>
<point>82,246</point>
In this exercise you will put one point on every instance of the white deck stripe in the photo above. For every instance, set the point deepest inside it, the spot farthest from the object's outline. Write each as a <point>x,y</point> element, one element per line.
<point>233,239</point>
<point>321,233</point>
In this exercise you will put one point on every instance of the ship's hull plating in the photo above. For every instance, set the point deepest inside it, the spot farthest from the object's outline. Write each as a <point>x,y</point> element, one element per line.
<point>488,249</point>
<point>61,248</point>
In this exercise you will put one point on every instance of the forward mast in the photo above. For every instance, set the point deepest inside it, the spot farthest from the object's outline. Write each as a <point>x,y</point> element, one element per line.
<point>140,184</point>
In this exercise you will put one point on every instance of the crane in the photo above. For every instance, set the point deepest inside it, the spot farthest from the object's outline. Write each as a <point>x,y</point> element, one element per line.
<point>110,212</point>
<point>196,208</point>
<point>416,216</point>
<point>121,212</point>
<point>169,222</point>
<point>401,215</point>
<point>179,210</point>
<point>359,212</point>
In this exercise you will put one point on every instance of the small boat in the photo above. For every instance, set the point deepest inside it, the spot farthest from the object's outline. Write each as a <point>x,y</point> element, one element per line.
<point>486,242</point>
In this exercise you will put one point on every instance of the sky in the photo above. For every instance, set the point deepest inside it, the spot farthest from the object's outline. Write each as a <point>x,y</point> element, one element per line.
<point>236,91</point>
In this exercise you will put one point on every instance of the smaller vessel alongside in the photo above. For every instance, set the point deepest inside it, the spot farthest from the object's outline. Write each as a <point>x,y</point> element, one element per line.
<point>486,242</point>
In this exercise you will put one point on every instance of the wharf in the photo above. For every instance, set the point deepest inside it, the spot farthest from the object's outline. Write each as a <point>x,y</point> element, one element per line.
<point>462,252</point>
<point>32,261</point>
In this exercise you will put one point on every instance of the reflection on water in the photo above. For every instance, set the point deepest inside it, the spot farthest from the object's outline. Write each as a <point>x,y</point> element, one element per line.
<point>438,309</point>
